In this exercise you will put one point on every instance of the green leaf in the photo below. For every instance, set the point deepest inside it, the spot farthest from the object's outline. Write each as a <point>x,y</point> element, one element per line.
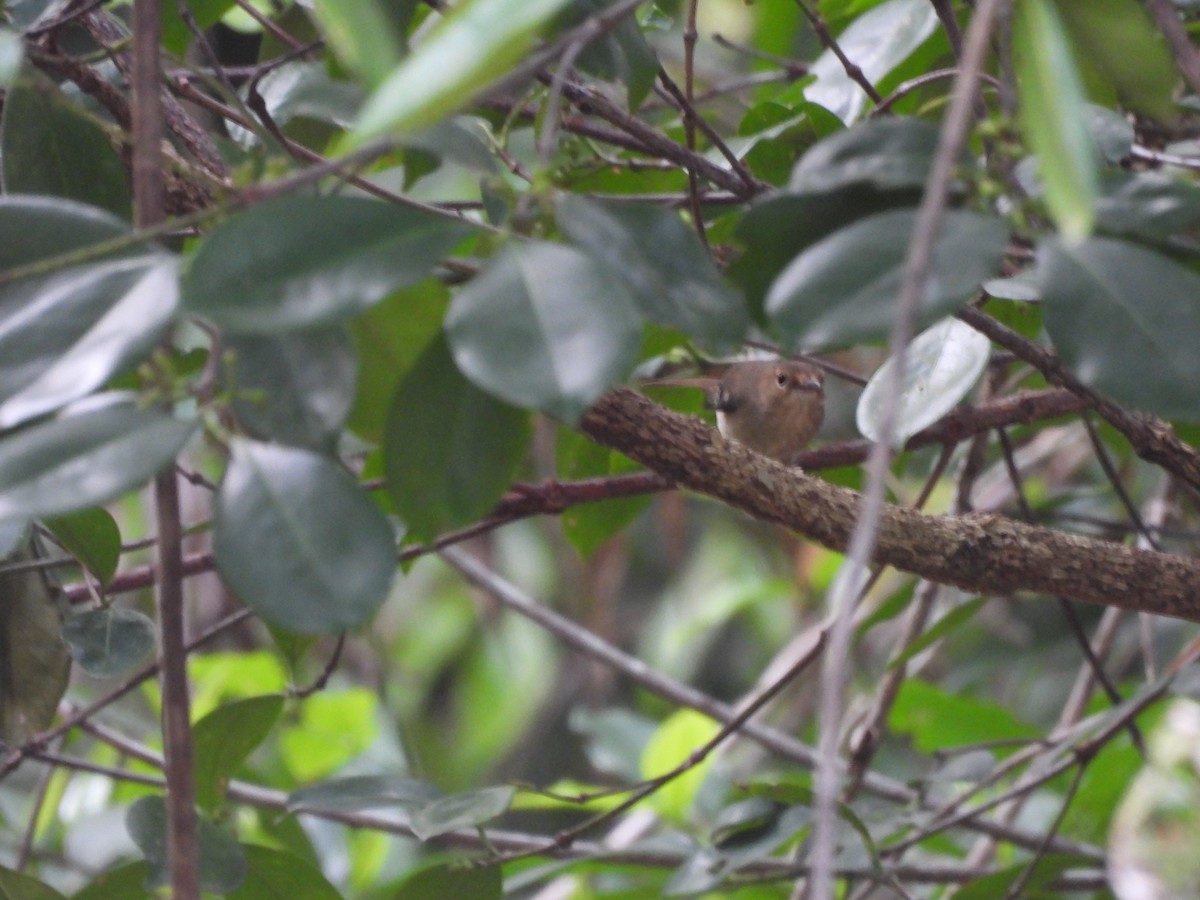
<point>331,729</point>
<point>107,316</point>
<point>842,289</point>
<point>1119,40</point>
<point>359,792</point>
<point>942,364</point>
<point>390,338</point>
<point>544,327</point>
<point>363,35</point>
<point>442,880</point>
<point>177,35</point>
<point>92,537</point>
<point>302,261</point>
<point>36,663</point>
<point>1046,870</point>
<point>1023,287</point>
<point>40,228</point>
<point>668,271</point>
<point>17,885</point>
<point>676,739</point>
<point>948,623</point>
<point>878,40</point>
<point>1124,318</point>
<point>1150,207</point>
<point>224,738</point>
<point>127,882</point>
<point>473,46</point>
<point>275,873</point>
<point>776,229</point>
<point>298,540</point>
<point>222,859</point>
<point>50,146</point>
<point>109,642</point>
<point>589,525</point>
<point>937,720</point>
<point>12,55</point>
<point>1053,116</point>
<point>885,154</point>
<point>86,459</point>
<point>621,55</point>
<point>296,388</point>
<point>450,449</point>
<point>455,811</point>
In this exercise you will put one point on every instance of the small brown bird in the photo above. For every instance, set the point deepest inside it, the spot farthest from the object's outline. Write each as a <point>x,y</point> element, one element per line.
<point>772,406</point>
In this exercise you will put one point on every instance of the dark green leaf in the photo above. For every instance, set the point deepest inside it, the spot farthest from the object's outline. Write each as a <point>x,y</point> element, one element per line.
<point>456,811</point>
<point>36,663</point>
<point>664,265</point>
<point>843,288</point>
<point>299,541</point>
<point>936,720</point>
<point>273,873</point>
<point>1111,132</point>
<point>544,327</point>
<point>222,858</point>
<point>483,37</point>
<point>51,146</point>
<point>306,90</point>
<point>390,338</point>
<point>296,388</point>
<point>878,40</point>
<point>779,227</point>
<point>37,228</point>
<point>1151,207</point>
<point>107,316</point>
<point>302,261</point>
<point>363,36</point>
<point>589,525</point>
<point>223,740</point>
<point>443,880</point>
<point>127,882</point>
<point>109,642</point>
<point>1124,318</point>
<point>92,537</point>
<point>18,886</point>
<point>450,449</point>
<point>1046,869</point>
<point>765,827</point>
<point>85,459</point>
<point>886,154</point>
<point>359,792</point>
<point>620,55</point>
<point>1053,117</point>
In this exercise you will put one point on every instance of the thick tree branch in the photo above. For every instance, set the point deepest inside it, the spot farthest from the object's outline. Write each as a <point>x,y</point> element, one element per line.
<point>986,553</point>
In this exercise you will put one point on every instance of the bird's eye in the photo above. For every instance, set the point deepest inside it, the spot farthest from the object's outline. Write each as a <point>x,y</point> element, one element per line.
<point>781,379</point>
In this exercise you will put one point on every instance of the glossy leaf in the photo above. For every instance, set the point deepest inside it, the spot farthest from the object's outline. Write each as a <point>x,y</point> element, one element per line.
<point>12,55</point>
<point>359,792</point>
<point>544,327</point>
<point>92,537</point>
<point>85,459</point>
<point>942,364</point>
<point>302,261</point>
<point>886,154</point>
<point>877,41</point>
<point>1053,116</point>
<point>1150,207</point>
<point>1022,286</point>
<point>442,880</point>
<point>776,229</point>
<point>455,811</point>
<point>662,263</point>
<point>271,872</point>
<point>50,146</point>
<point>483,37</point>
<point>38,228</point>
<point>222,860</point>
<point>1119,337</point>
<point>223,740</point>
<point>308,573</point>
<point>296,388</point>
<point>842,289</point>
<point>451,449</point>
<point>36,664</point>
<point>108,316</point>
<point>109,642</point>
